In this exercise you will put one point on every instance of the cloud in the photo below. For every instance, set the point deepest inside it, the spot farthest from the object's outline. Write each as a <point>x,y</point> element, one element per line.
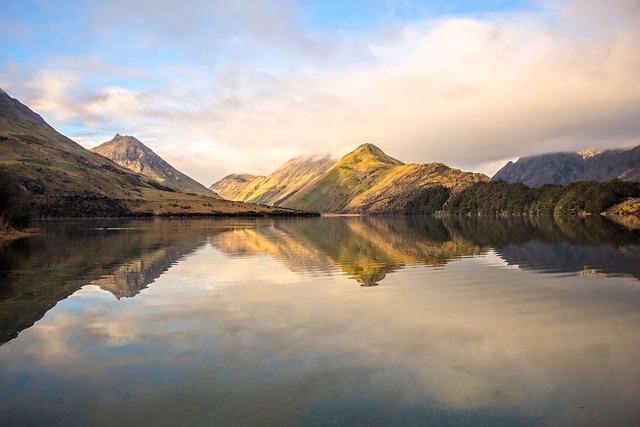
<point>462,91</point>
<point>467,91</point>
<point>214,31</point>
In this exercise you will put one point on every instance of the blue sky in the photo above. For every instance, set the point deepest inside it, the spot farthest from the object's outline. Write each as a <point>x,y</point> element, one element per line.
<point>217,87</point>
<point>35,31</point>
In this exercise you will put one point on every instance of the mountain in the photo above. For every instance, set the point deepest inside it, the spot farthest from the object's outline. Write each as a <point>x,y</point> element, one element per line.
<point>129,152</point>
<point>364,181</point>
<point>237,186</point>
<point>60,178</point>
<point>276,188</point>
<point>564,168</point>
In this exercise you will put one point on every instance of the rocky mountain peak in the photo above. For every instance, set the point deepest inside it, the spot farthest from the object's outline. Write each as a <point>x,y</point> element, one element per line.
<point>367,156</point>
<point>131,153</point>
<point>564,168</point>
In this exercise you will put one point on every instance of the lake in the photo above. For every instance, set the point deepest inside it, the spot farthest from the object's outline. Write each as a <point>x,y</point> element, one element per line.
<point>321,321</point>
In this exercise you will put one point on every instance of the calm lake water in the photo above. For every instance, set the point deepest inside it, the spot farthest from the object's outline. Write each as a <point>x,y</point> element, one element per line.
<point>322,321</point>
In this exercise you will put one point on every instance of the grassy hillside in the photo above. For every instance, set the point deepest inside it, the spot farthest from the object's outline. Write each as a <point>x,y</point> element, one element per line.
<point>627,213</point>
<point>276,188</point>
<point>368,180</point>
<point>238,187</point>
<point>288,179</point>
<point>355,173</point>
<point>364,181</point>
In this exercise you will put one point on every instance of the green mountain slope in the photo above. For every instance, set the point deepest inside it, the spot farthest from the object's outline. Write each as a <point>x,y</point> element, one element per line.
<point>354,174</point>
<point>237,186</point>
<point>279,186</point>
<point>287,180</point>
<point>364,181</point>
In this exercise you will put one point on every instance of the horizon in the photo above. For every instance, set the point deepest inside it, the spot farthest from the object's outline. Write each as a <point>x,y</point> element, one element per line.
<point>591,151</point>
<point>216,89</point>
<point>584,153</point>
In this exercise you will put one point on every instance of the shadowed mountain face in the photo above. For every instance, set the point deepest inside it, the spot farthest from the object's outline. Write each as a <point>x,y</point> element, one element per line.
<point>124,256</point>
<point>53,169</point>
<point>59,178</point>
<point>365,180</point>
<point>129,152</point>
<point>564,168</point>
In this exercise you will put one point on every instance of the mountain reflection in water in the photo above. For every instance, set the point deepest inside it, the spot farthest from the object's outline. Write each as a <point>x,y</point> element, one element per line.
<point>122,256</point>
<point>368,248</point>
<point>463,327</point>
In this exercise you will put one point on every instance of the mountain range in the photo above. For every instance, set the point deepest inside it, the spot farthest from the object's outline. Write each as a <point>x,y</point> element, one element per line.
<point>124,177</point>
<point>58,177</point>
<point>565,168</point>
<point>129,152</point>
<point>365,180</point>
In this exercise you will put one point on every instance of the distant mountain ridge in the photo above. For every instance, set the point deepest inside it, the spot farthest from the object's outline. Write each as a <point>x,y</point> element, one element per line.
<point>131,153</point>
<point>237,186</point>
<point>365,180</point>
<point>565,168</point>
<point>279,186</point>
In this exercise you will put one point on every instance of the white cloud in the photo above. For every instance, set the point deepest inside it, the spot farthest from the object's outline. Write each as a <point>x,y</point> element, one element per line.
<point>469,92</point>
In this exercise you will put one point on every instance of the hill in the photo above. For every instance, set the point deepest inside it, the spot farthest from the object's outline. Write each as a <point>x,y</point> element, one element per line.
<point>237,186</point>
<point>59,178</point>
<point>565,168</point>
<point>364,181</point>
<point>129,152</point>
<point>279,186</point>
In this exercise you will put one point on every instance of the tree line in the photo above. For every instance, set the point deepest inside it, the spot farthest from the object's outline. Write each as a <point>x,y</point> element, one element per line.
<point>500,198</point>
<point>14,209</point>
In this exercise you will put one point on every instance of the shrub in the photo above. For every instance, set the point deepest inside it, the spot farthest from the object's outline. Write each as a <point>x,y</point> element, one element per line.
<point>500,198</point>
<point>14,209</point>
<point>428,201</point>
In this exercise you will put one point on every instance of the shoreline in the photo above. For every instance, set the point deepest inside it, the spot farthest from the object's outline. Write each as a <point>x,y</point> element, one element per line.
<point>13,234</point>
<point>150,215</point>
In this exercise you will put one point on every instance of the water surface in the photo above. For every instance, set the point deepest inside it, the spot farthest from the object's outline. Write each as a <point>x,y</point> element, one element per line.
<point>321,321</point>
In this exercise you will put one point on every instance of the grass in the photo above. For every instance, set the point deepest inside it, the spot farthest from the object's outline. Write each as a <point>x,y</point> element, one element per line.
<point>7,232</point>
<point>5,225</point>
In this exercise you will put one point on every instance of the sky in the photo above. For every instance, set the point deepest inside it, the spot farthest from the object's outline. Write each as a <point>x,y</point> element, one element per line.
<point>216,87</point>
